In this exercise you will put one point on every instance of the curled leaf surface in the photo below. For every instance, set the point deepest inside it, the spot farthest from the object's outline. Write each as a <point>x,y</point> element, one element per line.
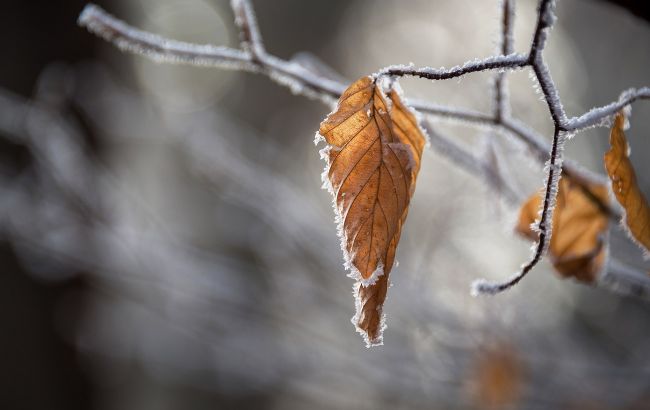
<point>625,187</point>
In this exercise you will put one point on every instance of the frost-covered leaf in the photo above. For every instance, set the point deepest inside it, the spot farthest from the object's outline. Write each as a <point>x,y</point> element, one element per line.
<point>578,246</point>
<point>621,173</point>
<point>369,319</point>
<point>373,157</point>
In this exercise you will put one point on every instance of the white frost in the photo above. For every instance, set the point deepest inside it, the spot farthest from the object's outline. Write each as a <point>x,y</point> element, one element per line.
<point>512,61</point>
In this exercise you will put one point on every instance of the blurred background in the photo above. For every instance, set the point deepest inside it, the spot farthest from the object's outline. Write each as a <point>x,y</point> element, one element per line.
<point>165,244</point>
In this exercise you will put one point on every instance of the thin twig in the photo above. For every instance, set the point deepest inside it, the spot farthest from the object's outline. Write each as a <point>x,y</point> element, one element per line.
<point>508,62</point>
<point>161,49</point>
<point>554,170</point>
<point>596,116</point>
<point>251,39</point>
<point>545,20</point>
<point>158,48</point>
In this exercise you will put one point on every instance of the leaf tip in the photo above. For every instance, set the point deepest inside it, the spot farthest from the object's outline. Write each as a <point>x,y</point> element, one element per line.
<point>372,337</point>
<point>374,276</point>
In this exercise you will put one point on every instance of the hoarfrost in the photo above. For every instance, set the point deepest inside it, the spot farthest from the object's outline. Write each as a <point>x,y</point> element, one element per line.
<point>550,91</point>
<point>158,48</point>
<point>372,279</point>
<point>508,62</point>
<point>247,23</point>
<point>553,172</point>
<point>601,116</point>
<point>318,138</point>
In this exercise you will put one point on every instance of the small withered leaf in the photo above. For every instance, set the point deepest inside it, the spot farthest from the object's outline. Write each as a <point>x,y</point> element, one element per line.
<point>625,187</point>
<point>373,154</point>
<point>578,246</point>
<point>497,377</point>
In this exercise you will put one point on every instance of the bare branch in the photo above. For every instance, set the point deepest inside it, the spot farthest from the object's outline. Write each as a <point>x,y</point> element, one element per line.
<point>302,80</point>
<point>596,116</point>
<point>551,95</point>
<point>507,62</point>
<point>158,48</point>
<point>545,20</point>
<point>161,49</point>
<point>251,39</point>
<point>295,76</point>
<point>544,226</point>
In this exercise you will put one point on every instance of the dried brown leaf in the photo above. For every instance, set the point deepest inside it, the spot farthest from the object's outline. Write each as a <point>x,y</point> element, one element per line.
<point>621,173</point>
<point>497,377</point>
<point>578,246</point>
<point>373,156</point>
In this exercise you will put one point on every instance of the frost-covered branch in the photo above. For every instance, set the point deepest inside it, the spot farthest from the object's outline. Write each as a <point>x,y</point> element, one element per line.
<point>302,80</point>
<point>299,78</point>
<point>545,20</point>
<point>164,50</point>
<point>596,116</point>
<point>544,227</point>
<point>158,48</point>
<point>507,62</point>
<point>292,74</point>
<point>249,32</point>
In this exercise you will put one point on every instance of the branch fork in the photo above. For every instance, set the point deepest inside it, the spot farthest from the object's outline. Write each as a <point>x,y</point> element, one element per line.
<point>253,57</point>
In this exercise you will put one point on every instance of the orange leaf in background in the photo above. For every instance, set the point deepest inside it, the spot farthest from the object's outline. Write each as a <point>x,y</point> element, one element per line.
<point>620,171</point>
<point>497,377</point>
<point>373,157</point>
<point>578,247</point>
